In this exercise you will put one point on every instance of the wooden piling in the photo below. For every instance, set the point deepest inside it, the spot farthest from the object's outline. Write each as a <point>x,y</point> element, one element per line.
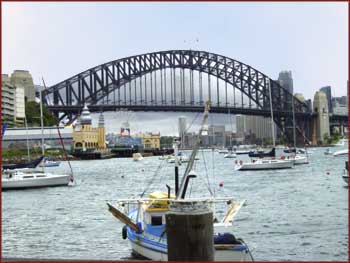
<point>189,230</point>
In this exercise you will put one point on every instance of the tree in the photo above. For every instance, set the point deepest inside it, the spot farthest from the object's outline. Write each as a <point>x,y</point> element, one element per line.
<point>33,115</point>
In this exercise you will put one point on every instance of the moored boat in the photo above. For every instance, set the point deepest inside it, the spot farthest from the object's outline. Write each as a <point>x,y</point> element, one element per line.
<point>145,223</point>
<point>137,157</point>
<point>230,155</point>
<point>341,153</point>
<point>17,179</point>
<point>263,164</point>
<point>49,162</point>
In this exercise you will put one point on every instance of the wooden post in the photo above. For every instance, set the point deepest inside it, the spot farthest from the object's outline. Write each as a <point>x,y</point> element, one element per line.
<point>189,227</point>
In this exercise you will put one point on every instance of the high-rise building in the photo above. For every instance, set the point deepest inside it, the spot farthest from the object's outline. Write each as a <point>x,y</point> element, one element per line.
<point>13,107</point>
<point>182,126</point>
<point>322,122</point>
<point>257,125</point>
<point>328,91</point>
<point>216,135</point>
<point>23,79</point>
<point>285,80</point>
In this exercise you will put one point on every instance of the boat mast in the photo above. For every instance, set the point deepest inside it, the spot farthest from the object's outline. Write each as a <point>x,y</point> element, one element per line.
<point>42,124</point>
<point>25,122</point>
<point>194,151</point>
<point>272,122</point>
<point>294,135</point>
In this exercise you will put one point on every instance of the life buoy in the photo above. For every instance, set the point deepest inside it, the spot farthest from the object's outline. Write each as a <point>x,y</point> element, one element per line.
<point>124,232</point>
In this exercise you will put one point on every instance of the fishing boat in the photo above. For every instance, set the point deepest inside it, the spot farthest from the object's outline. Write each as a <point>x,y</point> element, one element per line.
<point>341,153</point>
<point>145,221</point>
<point>137,157</point>
<point>49,162</point>
<point>263,164</point>
<point>20,179</point>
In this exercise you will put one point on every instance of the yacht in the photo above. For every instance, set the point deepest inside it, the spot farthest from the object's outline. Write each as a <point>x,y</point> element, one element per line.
<point>264,164</point>
<point>20,179</point>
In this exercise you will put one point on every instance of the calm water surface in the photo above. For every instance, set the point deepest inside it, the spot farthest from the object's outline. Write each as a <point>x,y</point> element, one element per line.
<point>295,214</point>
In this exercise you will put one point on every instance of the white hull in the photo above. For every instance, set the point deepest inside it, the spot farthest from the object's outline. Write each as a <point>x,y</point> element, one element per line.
<point>341,153</point>
<point>230,155</point>
<point>265,165</point>
<point>152,253</point>
<point>346,179</point>
<point>36,181</point>
<point>300,160</point>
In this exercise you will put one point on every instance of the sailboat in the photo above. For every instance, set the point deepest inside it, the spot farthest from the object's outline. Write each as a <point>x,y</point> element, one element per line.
<point>266,163</point>
<point>145,223</point>
<point>296,158</point>
<point>27,178</point>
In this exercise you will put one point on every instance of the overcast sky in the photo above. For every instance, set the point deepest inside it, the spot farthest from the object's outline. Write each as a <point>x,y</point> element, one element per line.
<point>58,40</point>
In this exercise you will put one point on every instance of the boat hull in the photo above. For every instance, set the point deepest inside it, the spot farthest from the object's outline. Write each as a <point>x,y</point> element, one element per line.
<point>264,166</point>
<point>154,253</point>
<point>55,180</point>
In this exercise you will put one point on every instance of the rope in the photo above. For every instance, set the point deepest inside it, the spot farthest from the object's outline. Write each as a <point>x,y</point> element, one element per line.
<point>299,233</point>
<point>206,175</point>
<point>152,179</point>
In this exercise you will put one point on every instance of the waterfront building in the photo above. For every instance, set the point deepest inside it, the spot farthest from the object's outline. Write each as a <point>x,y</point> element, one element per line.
<point>150,140</point>
<point>13,102</point>
<point>24,80</point>
<point>322,121</point>
<point>16,138</point>
<point>86,137</point>
<point>328,91</point>
<point>309,104</point>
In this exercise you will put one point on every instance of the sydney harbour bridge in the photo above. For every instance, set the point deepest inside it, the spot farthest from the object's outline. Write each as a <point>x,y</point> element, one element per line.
<point>179,80</point>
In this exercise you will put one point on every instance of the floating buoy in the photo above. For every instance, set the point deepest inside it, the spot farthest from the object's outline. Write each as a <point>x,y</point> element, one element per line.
<point>221,184</point>
<point>327,173</point>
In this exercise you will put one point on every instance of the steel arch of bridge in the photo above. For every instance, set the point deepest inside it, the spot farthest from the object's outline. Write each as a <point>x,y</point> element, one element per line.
<point>96,84</point>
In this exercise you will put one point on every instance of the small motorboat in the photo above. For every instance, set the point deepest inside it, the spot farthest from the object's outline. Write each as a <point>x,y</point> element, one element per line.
<point>341,153</point>
<point>297,159</point>
<point>263,164</point>
<point>223,151</point>
<point>49,162</point>
<point>137,157</point>
<point>328,152</point>
<point>230,155</point>
<point>20,179</point>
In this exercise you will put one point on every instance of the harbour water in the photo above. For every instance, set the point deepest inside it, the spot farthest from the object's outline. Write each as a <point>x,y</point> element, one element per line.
<point>294,214</point>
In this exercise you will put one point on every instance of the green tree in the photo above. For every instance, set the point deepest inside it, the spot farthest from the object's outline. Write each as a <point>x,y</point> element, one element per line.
<point>33,115</point>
